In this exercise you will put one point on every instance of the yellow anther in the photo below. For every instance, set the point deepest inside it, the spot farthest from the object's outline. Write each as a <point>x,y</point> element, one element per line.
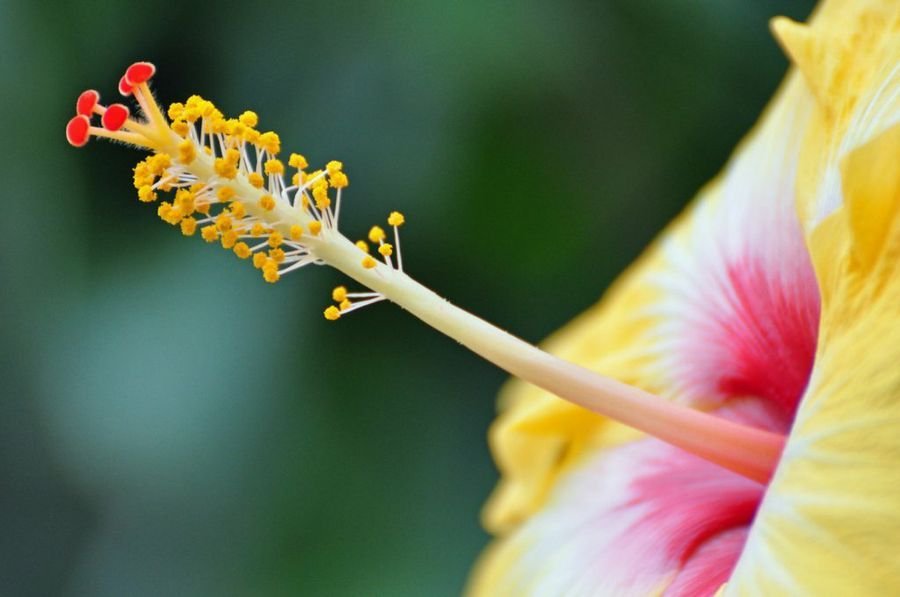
<point>142,175</point>
<point>213,125</point>
<point>334,166</point>
<point>158,163</point>
<point>295,179</point>
<point>242,250</point>
<point>237,209</point>
<point>146,194</point>
<point>270,142</point>
<point>257,229</point>
<point>345,304</point>
<point>202,207</point>
<point>181,128</point>
<point>320,194</point>
<point>192,115</point>
<point>226,166</point>
<point>186,151</point>
<point>168,213</point>
<point>315,227</point>
<point>304,202</point>
<point>249,118</point>
<point>276,255</point>
<point>223,222</point>
<point>175,110</point>
<point>270,271</point>
<point>256,179</point>
<point>225,194</point>
<point>339,180</point>
<point>296,232</point>
<point>267,202</point>
<point>396,219</point>
<point>275,240</point>
<point>259,259</point>
<point>182,210</point>
<point>332,313</point>
<point>234,128</point>
<point>339,294</point>
<point>229,239</point>
<point>362,246</point>
<point>376,234</point>
<point>297,161</point>
<point>209,233</point>
<point>368,262</point>
<point>208,110</point>
<point>188,226</point>
<point>386,249</point>
<point>273,167</point>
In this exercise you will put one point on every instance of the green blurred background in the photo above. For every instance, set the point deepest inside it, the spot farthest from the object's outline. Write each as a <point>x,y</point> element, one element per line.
<point>171,425</point>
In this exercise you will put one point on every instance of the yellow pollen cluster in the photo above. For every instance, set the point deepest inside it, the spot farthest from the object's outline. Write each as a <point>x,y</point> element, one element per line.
<point>297,161</point>
<point>396,219</point>
<point>241,200</point>
<point>256,179</point>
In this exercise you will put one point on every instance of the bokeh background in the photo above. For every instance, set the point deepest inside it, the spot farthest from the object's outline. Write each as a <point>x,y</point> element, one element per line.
<point>171,425</point>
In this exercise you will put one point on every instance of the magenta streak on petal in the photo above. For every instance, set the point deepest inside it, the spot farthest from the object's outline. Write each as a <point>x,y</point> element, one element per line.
<point>772,341</point>
<point>758,347</point>
<point>687,506</point>
<point>711,565</point>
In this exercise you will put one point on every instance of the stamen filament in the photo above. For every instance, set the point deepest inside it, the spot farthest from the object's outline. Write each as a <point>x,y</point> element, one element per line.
<point>748,451</point>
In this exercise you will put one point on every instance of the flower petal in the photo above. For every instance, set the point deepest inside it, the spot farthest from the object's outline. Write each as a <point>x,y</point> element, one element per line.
<point>709,313</point>
<point>674,324</point>
<point>830,522</point>
<point>637,519</point>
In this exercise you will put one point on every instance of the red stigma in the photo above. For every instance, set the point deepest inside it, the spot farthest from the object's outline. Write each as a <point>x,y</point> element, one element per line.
<point>139,72</point>
<point>86,102</point>
<point>114,117</point>
<point>78,131</point>
<point>124,87</point>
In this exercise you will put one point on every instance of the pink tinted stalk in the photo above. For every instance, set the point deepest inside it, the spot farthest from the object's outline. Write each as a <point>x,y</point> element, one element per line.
<point>748,451</point>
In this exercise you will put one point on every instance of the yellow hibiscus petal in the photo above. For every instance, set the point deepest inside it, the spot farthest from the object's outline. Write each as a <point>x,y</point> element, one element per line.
<point>830,522</point>
<point>847,56</point>
<point>541,443</point>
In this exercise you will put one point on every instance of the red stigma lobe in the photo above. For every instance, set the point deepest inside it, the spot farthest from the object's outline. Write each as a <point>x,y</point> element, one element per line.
<point>139,72</point>
<point>86,103</point>
<point>114,117</point>
<point>124,87</point>
<point>78,131</point>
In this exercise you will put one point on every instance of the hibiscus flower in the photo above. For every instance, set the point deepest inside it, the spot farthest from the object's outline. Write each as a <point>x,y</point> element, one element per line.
<point>756,343</point>
<point>774,301</point>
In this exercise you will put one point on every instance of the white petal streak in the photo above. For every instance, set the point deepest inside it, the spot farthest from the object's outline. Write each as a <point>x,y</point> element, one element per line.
<point>738,267</point>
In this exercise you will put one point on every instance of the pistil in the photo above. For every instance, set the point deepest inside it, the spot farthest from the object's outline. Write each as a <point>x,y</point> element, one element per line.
<point>230,185</point>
